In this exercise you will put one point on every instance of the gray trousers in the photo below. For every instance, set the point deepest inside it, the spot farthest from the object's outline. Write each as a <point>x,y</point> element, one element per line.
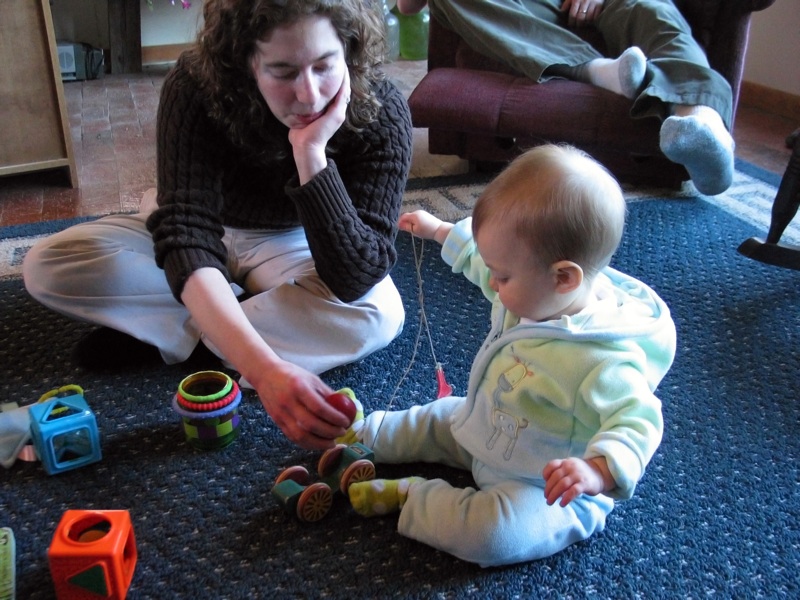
<point>531,36</point>
<point>104,272</point>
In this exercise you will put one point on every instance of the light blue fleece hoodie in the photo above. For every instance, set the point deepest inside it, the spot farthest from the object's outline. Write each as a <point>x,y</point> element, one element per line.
<point>579,386</point>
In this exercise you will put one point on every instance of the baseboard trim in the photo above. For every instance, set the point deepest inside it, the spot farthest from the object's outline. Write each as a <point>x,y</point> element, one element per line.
<point>775,101</point>
<point>164,53</point>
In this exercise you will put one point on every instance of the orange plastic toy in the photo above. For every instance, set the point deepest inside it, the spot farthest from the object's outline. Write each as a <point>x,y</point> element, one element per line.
<point>93,555</point>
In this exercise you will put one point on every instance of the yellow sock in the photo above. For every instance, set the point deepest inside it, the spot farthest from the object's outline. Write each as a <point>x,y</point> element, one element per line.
<point>380,496</point>
<point>351,435</point>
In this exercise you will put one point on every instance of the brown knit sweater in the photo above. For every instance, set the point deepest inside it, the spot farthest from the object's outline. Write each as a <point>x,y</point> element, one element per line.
<point>349,211</point>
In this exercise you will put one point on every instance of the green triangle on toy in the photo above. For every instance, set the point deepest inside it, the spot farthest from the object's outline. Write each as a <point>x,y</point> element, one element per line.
<point>92,579</point>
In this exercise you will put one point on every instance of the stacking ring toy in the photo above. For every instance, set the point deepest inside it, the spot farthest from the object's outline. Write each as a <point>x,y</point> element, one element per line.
<point>207,403</point>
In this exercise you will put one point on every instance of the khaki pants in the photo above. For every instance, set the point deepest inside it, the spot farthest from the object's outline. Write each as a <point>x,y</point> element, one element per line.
<point>531,35</point>
<point>104,272</point>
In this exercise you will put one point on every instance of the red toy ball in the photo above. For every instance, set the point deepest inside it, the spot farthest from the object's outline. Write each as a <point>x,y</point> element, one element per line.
<point>344,404</point>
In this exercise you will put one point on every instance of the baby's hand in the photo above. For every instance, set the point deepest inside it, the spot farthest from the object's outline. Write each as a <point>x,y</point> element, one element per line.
<point>424,225</point>
<point>570,477</point>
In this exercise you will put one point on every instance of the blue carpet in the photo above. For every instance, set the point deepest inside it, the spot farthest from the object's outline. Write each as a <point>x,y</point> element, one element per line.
<point>717,514</point>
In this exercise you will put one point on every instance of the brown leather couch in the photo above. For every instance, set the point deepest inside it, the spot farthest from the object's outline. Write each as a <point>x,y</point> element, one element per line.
<point>482,111</point>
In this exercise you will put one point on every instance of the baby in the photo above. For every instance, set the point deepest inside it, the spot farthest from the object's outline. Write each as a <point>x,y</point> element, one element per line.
<point>560,417</point>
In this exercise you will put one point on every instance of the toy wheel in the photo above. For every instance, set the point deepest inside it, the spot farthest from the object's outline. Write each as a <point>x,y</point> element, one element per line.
<point>315,502</point>
<point>330,460</point>
<point>297,474</point>
<point>360,470</point>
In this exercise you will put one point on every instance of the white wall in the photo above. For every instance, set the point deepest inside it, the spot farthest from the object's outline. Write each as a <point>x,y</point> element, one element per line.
<point>773,54</point>
<point>163,23</point>
<point>166,23</point>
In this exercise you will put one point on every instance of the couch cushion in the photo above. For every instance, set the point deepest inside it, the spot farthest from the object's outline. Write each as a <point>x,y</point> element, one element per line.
<point>501,105</point>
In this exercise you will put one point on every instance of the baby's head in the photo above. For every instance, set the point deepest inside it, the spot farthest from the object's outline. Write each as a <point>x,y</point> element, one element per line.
<point>552,208</point>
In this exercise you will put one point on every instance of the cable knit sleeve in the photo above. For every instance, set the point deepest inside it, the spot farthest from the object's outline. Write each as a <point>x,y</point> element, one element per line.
<point>187,228</point>
<point>350,209</point>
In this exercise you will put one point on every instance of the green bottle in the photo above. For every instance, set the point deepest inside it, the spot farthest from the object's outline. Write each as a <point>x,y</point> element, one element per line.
<point>414,34</point>
<point>392,33</point>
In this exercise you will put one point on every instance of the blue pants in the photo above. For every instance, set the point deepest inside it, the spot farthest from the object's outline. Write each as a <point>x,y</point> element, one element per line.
<point>504,521</point>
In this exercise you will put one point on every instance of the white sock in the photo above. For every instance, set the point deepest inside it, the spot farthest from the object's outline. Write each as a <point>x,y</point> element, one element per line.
<point>622,75</point>
<point>696,138</point>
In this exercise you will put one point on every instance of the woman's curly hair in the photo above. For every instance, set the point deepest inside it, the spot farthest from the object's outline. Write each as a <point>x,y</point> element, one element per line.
<point>221,61</point>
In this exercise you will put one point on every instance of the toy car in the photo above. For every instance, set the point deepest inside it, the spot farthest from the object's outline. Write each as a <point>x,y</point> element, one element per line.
<point>338,467</point>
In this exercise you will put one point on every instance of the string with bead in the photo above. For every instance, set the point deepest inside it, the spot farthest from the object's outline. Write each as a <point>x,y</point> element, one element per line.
<point>443,388</point>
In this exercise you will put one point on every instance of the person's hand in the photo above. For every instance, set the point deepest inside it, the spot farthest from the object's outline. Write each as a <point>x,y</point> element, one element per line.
<point>295,399</point>
<point>424,225</point>
<point>570,477</point>
<point>309,143</point>
<point>582,12</point>
<point>292,396</point>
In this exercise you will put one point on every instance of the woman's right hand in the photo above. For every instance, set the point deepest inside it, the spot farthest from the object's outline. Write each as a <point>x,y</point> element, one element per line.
<point>309,143</point>
<point>295,399</point>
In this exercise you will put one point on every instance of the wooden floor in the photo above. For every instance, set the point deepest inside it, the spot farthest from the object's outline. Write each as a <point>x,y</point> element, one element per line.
<point>113,120</point>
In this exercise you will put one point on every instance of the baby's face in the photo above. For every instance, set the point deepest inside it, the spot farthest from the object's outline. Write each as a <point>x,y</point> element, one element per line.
<point>524,286</point>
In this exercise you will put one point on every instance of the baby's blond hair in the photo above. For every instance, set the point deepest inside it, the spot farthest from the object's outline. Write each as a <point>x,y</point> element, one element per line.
<point>561,203</point>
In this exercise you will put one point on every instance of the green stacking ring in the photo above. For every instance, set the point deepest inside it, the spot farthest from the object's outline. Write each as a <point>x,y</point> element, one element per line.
<point>205,386</point>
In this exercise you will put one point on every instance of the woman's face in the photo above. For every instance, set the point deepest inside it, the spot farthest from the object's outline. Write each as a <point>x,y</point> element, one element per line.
<point>299,69</point>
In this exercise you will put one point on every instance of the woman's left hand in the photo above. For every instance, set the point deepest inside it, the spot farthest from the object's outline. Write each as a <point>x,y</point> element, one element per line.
<point>309,143</point>
<point>582,12</point>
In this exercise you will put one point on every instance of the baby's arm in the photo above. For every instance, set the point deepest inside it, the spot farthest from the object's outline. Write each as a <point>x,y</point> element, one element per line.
<point>570,477</point>
<point>424,225</point>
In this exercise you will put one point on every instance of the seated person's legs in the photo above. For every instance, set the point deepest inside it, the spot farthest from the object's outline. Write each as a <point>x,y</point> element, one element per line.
<point>500,524</point>
<point>103,272</point>
<point>696,138</point>
<point>420,433</point>
<point>622,75</point>
<point>527,35</point>
<point>693,100</point>
<point>296,313</point>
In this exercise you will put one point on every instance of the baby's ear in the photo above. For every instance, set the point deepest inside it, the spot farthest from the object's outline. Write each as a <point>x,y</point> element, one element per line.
<point>569,276</point>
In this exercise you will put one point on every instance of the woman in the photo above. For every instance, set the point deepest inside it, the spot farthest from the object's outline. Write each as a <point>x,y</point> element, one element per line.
<point>282,159</point>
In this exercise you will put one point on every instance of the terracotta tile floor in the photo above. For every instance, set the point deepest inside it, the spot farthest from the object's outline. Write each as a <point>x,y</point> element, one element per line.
<point>112,123</point>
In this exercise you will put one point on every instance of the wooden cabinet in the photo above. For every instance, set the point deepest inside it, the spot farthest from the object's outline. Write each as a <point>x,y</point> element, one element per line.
<point>34,125</point>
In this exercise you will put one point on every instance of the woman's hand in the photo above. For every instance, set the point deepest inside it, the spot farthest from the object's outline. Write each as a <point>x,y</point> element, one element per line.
<point>424,225</point>
<point>295,399</point>
<point>582,12</point>
<point>309,142</point>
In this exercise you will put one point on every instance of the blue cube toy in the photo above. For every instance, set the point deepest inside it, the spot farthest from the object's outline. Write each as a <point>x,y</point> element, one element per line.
<point>64,432</point>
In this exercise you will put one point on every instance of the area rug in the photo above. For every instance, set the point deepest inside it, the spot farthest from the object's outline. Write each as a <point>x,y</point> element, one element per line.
<point>716,515</point>
<point>452,197</point>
